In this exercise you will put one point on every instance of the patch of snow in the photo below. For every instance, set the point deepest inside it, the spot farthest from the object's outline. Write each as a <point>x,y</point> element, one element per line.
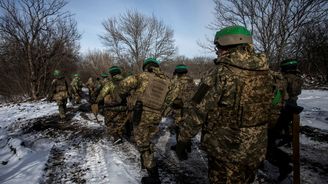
<point>11,113</point>
<point>315,113</point>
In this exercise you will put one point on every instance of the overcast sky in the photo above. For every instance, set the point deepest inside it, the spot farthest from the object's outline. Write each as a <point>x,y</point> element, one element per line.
<point>188,19</point>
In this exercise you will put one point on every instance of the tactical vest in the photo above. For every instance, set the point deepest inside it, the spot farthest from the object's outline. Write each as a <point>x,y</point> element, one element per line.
<point>154,94</point>
<point>250,100</point>
<point>60,85</point>
<point>255,97</point>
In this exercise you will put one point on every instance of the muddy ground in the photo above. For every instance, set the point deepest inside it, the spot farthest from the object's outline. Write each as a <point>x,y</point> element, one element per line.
<point>82,153</point>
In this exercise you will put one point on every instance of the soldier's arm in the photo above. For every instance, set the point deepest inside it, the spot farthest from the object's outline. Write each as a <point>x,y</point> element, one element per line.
<point>128,84</point>
<point>196,113</point>
<point>107,89</point>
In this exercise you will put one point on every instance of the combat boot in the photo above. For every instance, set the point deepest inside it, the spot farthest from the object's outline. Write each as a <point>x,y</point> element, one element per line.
<point>152,178</point>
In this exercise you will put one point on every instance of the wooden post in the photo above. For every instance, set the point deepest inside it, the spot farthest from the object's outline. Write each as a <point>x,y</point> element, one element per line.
<point>296,149</point>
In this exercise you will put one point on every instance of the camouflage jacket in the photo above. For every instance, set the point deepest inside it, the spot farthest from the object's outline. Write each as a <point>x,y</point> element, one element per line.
<point>231,131</point>
<point>279,88</point>
<point>76,85</point>
<point>294,84</point>
<point>58,86</point>
<point>180,91</point>
<point>136,85</point>
<point>107,92</point>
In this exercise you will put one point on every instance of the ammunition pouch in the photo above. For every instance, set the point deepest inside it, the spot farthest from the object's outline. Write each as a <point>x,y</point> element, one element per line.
<point>137,113</point>
<point>177,103</point>
<point>200,94</point>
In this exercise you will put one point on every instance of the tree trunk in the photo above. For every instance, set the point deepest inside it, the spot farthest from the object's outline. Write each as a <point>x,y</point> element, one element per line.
<point>33,84</point>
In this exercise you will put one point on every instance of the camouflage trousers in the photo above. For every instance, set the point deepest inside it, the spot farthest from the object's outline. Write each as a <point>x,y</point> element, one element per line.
<point>62,107</point>
<point>115,122</point>
<point>221,172</point>
<point>143,134</point>
<point>77,99</point>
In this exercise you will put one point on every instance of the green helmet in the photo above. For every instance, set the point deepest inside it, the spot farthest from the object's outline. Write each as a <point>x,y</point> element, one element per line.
<point>150,60</point>
<point>232,35</point>
<point>104,74</point>
<point>289,64</point>
<point>181,69</point>
<point>76,75</point>
<point>57,73</point>
<point>114,70</point>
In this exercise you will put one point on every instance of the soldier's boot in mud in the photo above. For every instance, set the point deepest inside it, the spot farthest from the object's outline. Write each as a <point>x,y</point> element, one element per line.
<point>152,178</point>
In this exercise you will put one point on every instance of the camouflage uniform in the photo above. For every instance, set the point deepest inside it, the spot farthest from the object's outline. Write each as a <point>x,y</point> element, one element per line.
<point>94,88</point>
<point>275,155</point>
<point>292,81</point>
<point>59,93</point>
<point>294,84</point>
<point>76,86</point>
<point>150,117</point>
<point>180,91</point>
<point>115,115</point>
<point>233,116</point>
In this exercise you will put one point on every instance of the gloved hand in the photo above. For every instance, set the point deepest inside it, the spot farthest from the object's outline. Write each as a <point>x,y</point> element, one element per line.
<point>181,150</point>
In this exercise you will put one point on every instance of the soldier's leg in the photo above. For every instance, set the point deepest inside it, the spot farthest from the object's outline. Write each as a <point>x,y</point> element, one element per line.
<point>142,138</point>
<point>108,116</point>
<point>62,108</point>
<point>144,133</point>
<point>232,173</point>
<point>120,124</point>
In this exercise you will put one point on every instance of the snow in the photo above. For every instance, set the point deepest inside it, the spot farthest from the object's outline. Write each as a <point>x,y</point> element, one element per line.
<point>29,110</point>
<point>35,148</point>
<point>315,113</point>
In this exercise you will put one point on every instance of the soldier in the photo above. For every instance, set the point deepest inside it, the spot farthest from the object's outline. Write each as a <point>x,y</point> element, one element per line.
<point>59,92</point>
<point>292,82</point>
<point>231,106</point>
<point>104,78</point>
<point>149,92</point>
<point>94,88</point>
<point>181,89</point>
<point>115,113</point>
<point>76,86</point>
<point>294,87</point>
<point>275,155</point>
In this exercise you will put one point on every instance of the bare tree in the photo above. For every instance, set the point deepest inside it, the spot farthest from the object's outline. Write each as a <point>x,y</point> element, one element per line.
<point>94,63</point>
<point>273,23</point>
<point>133,36</point>
<point>312,51</point>
<point>38,36</point>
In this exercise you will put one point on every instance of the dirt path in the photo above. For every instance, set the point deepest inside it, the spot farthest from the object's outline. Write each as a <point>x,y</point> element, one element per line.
<point>82,153</point>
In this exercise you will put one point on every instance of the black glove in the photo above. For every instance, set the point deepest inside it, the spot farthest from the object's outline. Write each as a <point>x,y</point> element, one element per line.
<point>181,150</point>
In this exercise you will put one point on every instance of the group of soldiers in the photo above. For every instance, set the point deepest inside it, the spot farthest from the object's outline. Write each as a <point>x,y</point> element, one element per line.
<point>240,106</point>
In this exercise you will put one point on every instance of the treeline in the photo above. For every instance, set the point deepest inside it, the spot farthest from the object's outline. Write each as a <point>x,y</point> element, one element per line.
<point>39,36</point>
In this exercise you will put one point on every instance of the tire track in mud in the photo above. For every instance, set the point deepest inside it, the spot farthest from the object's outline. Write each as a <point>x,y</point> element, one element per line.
<point>97,168</point>
<point>112,164</point>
